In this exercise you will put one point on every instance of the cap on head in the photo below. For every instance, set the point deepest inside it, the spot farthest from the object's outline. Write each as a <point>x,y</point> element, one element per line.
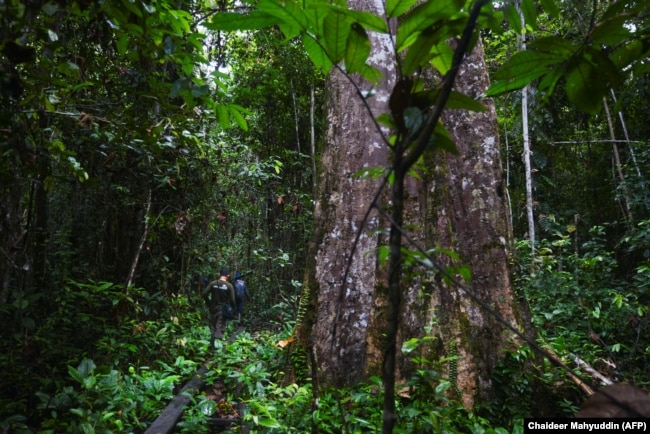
<point>238,275</point>
<point>225,272</point>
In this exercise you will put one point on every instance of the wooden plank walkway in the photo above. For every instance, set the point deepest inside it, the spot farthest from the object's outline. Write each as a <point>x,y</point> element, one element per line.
<point>166,421</point>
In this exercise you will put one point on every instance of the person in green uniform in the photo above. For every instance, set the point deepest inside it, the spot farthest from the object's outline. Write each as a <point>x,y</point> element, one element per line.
<point>219,295</point>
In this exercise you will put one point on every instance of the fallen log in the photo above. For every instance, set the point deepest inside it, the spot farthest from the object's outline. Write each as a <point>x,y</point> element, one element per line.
<point>588,368</point>
<point>166,422</point>
<point>584,386</point>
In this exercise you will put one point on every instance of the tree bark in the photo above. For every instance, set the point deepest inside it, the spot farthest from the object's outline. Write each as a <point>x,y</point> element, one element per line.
<point>470,211</point>
<point>344,309</point>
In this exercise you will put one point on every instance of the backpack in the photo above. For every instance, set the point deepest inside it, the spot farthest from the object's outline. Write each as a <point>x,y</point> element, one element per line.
<point>240,289</point>
<point>228,311</point>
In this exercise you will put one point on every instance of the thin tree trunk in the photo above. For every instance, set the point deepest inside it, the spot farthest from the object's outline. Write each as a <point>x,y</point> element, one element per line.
<point>296,117</point>
<point>145,233</point>
<point>618,166</point>
<point>526,142</point>
<point>627,137</point>
<point>312,141</point>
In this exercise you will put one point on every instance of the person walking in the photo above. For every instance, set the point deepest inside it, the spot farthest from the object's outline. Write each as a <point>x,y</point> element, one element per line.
<point>219,295</point>
<point>241,292</point>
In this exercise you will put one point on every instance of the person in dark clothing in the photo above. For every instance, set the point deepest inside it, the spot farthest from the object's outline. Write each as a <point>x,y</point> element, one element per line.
<point>218,295</point>
<point>241,293</point>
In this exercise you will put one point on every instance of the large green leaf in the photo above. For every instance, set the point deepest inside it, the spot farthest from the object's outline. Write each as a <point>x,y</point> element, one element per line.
<point>315,16</point>
<point>629,8</point>
<point>229,21</point>
<point>441,139</point>
<point>611,32</point>
<point>317,54</point>
<point>529,12</point>
<point>223,116</point>
<point>368,20</point>
<point>557,46</point>
<point>420,52</point>
<point>607,71</point>
<point>547,84</point>
<point>461,101</point>
<point>514,19</point>
<point>370,73</point>
<point>456,100</point>
<point>237,113</point>
<point>292,18</point>
<point>424,16</point>
<point>550,7</point>
<point>527,63</point>
<point>335,35</point>
<point>442,57</point>
<point>515,83</point>
<point>627,54</point>
<point>357,49</point>
<point>584,87</point>
<point>395,8</point>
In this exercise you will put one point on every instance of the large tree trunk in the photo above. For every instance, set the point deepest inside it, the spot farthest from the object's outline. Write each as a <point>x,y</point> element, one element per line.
<point>343,310</point>
<point>469,208</point>
<point>458,204</point>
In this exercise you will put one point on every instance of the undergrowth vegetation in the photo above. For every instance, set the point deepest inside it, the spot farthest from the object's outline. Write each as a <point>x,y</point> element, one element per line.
<point>112,358</point>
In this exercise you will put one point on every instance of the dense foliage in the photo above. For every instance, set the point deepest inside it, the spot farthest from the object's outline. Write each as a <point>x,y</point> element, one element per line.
<point>139,154</point>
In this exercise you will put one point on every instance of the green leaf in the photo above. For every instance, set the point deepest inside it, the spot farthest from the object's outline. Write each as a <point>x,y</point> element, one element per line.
<point>293,19</point>
<point>179,86</point>
<point>370,73</point>
<point>547,84</point>
<point>526,63</point>
<point>456,100</point>
<point>129,5</point>
<point>607,71</point>
<point>441,139</point>
<point>335,35</point>
<point>461,101</point>
<point>584,87</point>
<point>395,8</point>
<point>550,7</point>
<point>513,18</point>
<point>442,387</point>
<point>420,52</point>
<point>522,68</point>
<point>357,49</point>
<point>410,345</point>
<point>516,83</point>
<point>236,112</point>
<point>413,118</point>
<point>529,12</point>
<point>562,48</point>
<point>75,374</point>
<point>368,20</point>
<point>424,16</point>
<point>442,57</point>
<point>628,8</point>
<point>316,54</point>
<point>627,54</point>
<point>611,32</point>
<point>223,115</point>
<point>229,21</point>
